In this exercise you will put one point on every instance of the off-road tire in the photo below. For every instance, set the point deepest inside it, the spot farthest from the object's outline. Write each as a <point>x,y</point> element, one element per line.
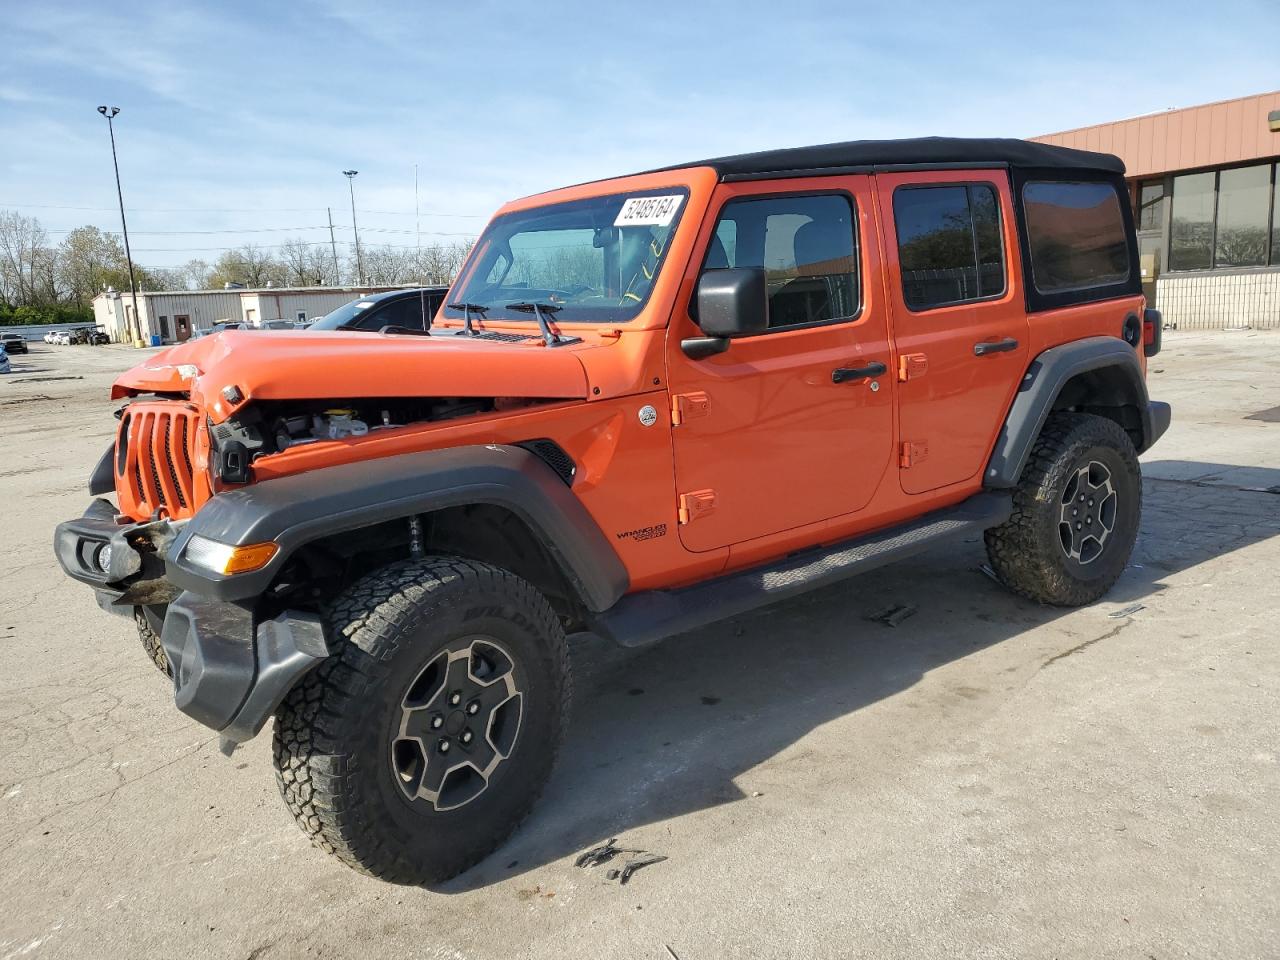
<point>331,744</point>
<point>1027,551</point>
<point>151,643</point>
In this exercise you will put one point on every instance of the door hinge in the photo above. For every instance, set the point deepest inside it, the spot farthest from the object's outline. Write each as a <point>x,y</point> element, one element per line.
<point>911,366</point>
<point>688,406</point>
<point>694,505</point>
<point>913,452</point>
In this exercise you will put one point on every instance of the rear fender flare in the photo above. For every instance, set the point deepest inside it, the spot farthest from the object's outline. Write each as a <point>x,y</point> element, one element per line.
<point>1040,389</point>
<point>296,510</point>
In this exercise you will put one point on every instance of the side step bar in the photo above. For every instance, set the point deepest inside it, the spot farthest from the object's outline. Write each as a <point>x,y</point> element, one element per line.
<point>653,615</point>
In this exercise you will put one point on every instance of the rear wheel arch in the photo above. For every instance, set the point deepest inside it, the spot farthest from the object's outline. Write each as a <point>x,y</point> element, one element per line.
<point>1097,375</point>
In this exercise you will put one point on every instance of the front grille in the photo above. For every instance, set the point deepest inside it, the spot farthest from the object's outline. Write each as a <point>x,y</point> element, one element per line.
<point>157,475</point>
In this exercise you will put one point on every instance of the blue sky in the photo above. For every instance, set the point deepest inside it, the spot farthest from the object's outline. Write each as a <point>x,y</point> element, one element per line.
<point>240,117</point>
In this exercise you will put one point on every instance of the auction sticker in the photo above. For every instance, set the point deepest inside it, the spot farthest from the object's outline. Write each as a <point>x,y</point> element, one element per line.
<point>648,211</point>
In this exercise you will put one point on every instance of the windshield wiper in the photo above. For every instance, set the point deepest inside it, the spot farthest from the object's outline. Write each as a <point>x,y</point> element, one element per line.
<point>550,337</point>
<point>467,308</point>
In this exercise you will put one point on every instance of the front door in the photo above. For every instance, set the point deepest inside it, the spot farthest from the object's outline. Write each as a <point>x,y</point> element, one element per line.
<point>767,437</point>
<point>960,324</point>
<point>182,323</point>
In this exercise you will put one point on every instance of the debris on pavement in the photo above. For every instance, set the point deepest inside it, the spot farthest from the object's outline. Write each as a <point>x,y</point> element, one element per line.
<point>606,851</point>
<point>894,615</point>
<point>1127,611</point>
<point>631,866</point>
<point>987,571</point>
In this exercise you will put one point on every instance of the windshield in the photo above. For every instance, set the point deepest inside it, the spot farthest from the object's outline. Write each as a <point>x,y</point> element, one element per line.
<point>344,314</point>
<point>595,260</point>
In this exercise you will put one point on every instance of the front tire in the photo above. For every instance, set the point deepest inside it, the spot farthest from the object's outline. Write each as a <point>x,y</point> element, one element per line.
<point>150,638</point>
<point>1075,513</point>
<point>419,747</point>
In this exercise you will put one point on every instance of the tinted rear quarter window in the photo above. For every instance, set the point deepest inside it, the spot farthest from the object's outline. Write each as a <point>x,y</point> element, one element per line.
<point>949,247</point>
<point>1076,234</point>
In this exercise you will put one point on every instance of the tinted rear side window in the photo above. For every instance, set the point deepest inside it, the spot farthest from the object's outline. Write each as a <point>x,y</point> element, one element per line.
<point>1076,234</point>
<point>949,246</point>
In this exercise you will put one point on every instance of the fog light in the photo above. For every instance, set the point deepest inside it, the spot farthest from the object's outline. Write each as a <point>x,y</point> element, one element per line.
<point>226,559</point>
<point>104,558</point>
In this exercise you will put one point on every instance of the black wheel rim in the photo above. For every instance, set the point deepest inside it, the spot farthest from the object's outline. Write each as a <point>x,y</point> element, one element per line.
<point>459,721</point>
<point>1087,517</point>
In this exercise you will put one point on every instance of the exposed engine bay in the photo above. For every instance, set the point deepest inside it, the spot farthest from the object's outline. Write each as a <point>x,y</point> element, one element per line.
<point>261,429</point>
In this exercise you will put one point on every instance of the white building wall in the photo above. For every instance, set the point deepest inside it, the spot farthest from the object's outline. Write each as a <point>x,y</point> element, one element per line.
<point>1212,301</point>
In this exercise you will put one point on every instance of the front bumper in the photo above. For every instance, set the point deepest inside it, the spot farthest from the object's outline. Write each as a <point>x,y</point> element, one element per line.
<point>230,673</point>
<point>231,668</point>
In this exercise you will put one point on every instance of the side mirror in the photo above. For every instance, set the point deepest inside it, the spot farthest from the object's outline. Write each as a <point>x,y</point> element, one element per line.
<point>730,303</point>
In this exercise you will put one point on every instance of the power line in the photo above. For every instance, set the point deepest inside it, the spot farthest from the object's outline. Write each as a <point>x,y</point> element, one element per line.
<point>179,233</point>
<point>391,213</point>
<point>273,246</point>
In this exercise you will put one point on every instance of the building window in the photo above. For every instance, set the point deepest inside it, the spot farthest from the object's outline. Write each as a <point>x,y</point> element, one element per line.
<point>1275,225</point>
<point>949,248</point>
<point>302,316</point>
<point>1241,239</point>
<point>1151,205</point>
<point>1076,234</point>
<point>1220,219</point>
<point>1191,236</point>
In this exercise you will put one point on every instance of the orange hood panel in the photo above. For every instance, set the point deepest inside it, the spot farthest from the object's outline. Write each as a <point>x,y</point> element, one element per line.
<point>301,365</point>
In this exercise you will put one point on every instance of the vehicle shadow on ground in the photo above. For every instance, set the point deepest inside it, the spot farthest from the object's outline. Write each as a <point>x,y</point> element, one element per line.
<point>664,731</point>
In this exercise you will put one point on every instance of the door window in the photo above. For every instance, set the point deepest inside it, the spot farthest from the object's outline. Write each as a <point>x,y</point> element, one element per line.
<point>949,247</point>
<point>807,247</point>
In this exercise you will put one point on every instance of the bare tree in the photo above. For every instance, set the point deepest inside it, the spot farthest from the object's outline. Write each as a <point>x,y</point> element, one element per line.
<point>199,274</point>
<point>24,261</point>
<point>307,264</point>
<point>250,265</point>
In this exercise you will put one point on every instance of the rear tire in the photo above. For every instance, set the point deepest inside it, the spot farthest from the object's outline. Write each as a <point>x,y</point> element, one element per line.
<point>360,743</point>
<point>1076,511</point>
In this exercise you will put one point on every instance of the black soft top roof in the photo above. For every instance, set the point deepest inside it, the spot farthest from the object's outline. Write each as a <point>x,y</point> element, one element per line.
<point>921,151</point>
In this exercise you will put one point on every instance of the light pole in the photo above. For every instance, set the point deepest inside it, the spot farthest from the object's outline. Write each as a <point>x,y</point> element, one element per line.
<point>110,113</point>
<point>350,175</point>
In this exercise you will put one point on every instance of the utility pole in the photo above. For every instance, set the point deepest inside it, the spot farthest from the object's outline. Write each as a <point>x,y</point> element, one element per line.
<point>417,224</point>
<point>124,227</point>
<point>351,175</point>
<point>333,244</point>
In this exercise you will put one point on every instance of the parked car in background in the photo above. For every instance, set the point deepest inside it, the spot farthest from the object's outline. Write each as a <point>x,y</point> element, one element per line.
<point>4,362</point>
<point>407,309</point>
<point>218,328</point>
<point>13,343</point>
<point>97,338</point>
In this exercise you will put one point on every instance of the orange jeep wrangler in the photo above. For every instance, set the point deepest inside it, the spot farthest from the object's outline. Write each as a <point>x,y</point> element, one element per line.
<point>648,403</point>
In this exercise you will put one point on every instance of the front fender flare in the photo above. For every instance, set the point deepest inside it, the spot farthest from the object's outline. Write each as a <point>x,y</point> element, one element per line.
<point>295,510</point>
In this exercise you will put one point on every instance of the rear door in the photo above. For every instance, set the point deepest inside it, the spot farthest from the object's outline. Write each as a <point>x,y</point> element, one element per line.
<point>767,436</point>
<point>959,319</point>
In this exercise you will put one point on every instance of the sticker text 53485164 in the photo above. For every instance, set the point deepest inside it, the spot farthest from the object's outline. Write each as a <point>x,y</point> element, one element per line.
<point>648,211</point>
